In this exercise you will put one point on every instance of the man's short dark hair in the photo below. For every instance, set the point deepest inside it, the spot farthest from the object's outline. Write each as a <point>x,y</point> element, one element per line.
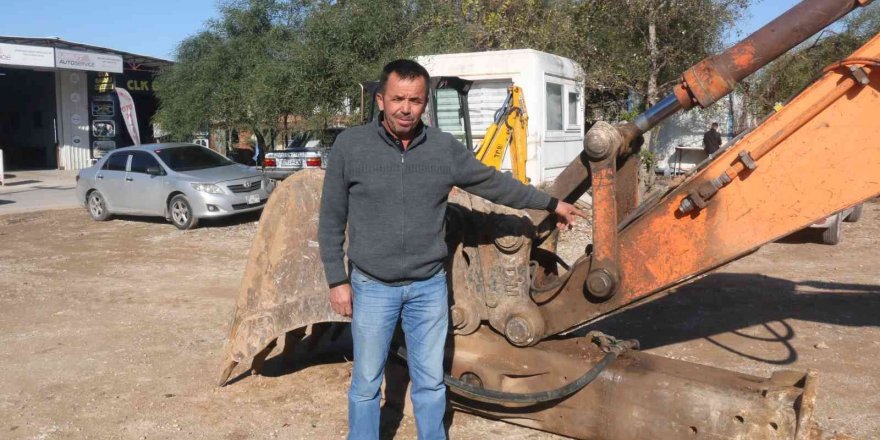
<point>714,125</point>
<point>405,69</point>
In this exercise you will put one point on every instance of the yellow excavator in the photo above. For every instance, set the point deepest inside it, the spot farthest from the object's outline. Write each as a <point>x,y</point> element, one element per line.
<point>510,129</point>
<point>517,349</point>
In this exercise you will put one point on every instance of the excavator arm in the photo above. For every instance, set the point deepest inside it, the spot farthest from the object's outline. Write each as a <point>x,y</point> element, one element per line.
<point>816,156</point>
<point>509,129</point>
<point>513,299</point>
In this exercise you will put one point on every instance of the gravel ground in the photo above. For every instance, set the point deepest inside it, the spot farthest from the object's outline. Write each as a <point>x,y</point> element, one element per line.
<point>114,330</point>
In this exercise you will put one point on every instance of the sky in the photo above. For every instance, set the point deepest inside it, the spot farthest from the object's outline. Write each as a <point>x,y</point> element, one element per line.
<point>759,14</point>
<point>156,27</point>
<point>152,28</point>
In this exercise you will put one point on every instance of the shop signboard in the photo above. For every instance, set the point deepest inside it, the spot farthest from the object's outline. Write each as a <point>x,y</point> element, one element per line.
<point>27,56</point>
<point>96,62</point>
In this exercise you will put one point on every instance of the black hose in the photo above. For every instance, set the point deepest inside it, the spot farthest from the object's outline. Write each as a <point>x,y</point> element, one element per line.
<point>467,390</point>
<point>539,293</point>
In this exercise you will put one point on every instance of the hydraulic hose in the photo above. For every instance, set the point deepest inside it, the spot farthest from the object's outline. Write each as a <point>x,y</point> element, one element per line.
<point>494,396</point>
<point>467,390</point>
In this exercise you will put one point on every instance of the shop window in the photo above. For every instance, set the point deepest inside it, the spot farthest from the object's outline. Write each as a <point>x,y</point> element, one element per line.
<point>573,102</point>
<point>554,107</point>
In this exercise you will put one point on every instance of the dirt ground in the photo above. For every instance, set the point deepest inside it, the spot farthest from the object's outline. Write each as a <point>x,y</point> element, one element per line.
<point>114,331</point>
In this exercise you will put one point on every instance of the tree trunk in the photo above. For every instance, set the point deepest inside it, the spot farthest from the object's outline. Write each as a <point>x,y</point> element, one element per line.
<point>286,131</point>
<point>652,93</point>
<point>654,57</point>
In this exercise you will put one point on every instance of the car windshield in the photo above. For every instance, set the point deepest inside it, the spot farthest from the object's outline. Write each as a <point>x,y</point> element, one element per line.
<point>299,140</point>
<point>312,139</point>
<point>191,157</point>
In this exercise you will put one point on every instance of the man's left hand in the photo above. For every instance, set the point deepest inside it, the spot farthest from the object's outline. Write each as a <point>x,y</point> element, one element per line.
<point>565,215</point>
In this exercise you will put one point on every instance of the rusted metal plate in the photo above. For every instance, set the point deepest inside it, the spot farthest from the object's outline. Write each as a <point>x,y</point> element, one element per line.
<point>638,397</point>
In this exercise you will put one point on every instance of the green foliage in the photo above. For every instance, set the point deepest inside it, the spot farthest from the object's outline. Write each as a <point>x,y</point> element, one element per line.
<point>233,74</point>
<point>648,159</point>
<point>792,72</point>
<point>625,115</point>
<point>624,46</point>
<point>263,60</point>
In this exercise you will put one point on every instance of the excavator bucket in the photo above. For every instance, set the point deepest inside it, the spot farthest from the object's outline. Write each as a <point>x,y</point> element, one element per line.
<point>283,289</point>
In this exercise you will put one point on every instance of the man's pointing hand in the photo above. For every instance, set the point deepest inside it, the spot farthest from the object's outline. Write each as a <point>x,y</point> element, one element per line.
<point>565,215</point>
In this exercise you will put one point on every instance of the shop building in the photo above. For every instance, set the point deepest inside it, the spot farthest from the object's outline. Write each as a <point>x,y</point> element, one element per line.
<point>65,104</point>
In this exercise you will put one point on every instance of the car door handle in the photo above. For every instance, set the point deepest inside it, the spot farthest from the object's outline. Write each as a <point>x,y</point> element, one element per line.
<point>99,177</point>
<point>128,179</point>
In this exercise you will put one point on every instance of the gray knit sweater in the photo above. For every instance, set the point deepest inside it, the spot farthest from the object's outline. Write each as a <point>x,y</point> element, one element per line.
<point>393,201</point>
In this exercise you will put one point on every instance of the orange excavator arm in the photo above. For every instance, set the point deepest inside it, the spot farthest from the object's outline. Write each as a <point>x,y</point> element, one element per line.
<point>818,155</point>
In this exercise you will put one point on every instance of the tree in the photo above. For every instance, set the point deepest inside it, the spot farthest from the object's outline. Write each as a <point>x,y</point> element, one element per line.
<point>645,45</point>
<point>263,60</point>
<point>346,43</point>
<point>235,74</point>
<point>627,45</point>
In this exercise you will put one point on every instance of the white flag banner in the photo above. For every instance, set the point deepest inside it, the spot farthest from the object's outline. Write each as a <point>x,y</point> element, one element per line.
<point>126,107</point>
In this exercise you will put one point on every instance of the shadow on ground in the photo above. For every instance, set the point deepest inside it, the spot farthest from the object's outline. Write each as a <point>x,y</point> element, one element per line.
<point>233,220</point>
<point>23,182</point>
<point>728,302</point>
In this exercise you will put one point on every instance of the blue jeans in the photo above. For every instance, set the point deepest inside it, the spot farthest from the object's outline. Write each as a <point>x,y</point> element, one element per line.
<point>424,310</point>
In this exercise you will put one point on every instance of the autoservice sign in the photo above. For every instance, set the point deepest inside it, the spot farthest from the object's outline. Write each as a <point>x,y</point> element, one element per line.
<point>29,56</point>
<point>78,60</point>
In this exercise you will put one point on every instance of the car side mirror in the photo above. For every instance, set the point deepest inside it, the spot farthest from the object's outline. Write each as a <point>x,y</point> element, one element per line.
<point>154,171</point>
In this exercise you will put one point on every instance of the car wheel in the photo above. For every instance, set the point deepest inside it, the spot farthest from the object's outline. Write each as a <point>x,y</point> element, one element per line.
<point>97,206</point>
<point>855,215</point>
<point>832,234</point>
<point>181,213</point>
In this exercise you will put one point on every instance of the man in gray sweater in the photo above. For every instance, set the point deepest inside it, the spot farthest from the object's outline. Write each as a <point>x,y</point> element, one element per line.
<point>387,182</point>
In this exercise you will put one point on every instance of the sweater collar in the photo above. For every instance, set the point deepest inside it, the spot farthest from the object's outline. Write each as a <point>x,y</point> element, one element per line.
<point>418,138</point>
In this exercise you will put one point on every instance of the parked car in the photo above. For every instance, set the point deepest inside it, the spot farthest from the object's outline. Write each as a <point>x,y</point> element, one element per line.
<point>831,225</point>
<point>306,150</point>
<point>181,182</point>
<point>243,154</point>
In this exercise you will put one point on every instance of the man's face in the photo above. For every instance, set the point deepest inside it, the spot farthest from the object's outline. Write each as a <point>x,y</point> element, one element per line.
<point>403,102</point>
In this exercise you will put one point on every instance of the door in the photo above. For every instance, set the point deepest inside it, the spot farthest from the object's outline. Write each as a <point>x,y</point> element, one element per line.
<point>110,180</point>
<point>145,191</point>
<point>449,107</point>
<point>27,119</point>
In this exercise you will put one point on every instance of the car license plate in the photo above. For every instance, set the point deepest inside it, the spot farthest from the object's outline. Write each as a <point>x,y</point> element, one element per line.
<point>290,163</point>
<point>253,199</point>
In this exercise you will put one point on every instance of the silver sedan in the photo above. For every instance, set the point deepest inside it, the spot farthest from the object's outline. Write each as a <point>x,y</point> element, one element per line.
<point>181,182</point>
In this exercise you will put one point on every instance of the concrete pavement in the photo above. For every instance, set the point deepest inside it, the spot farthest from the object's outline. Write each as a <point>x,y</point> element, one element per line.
<point>27,191</point>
